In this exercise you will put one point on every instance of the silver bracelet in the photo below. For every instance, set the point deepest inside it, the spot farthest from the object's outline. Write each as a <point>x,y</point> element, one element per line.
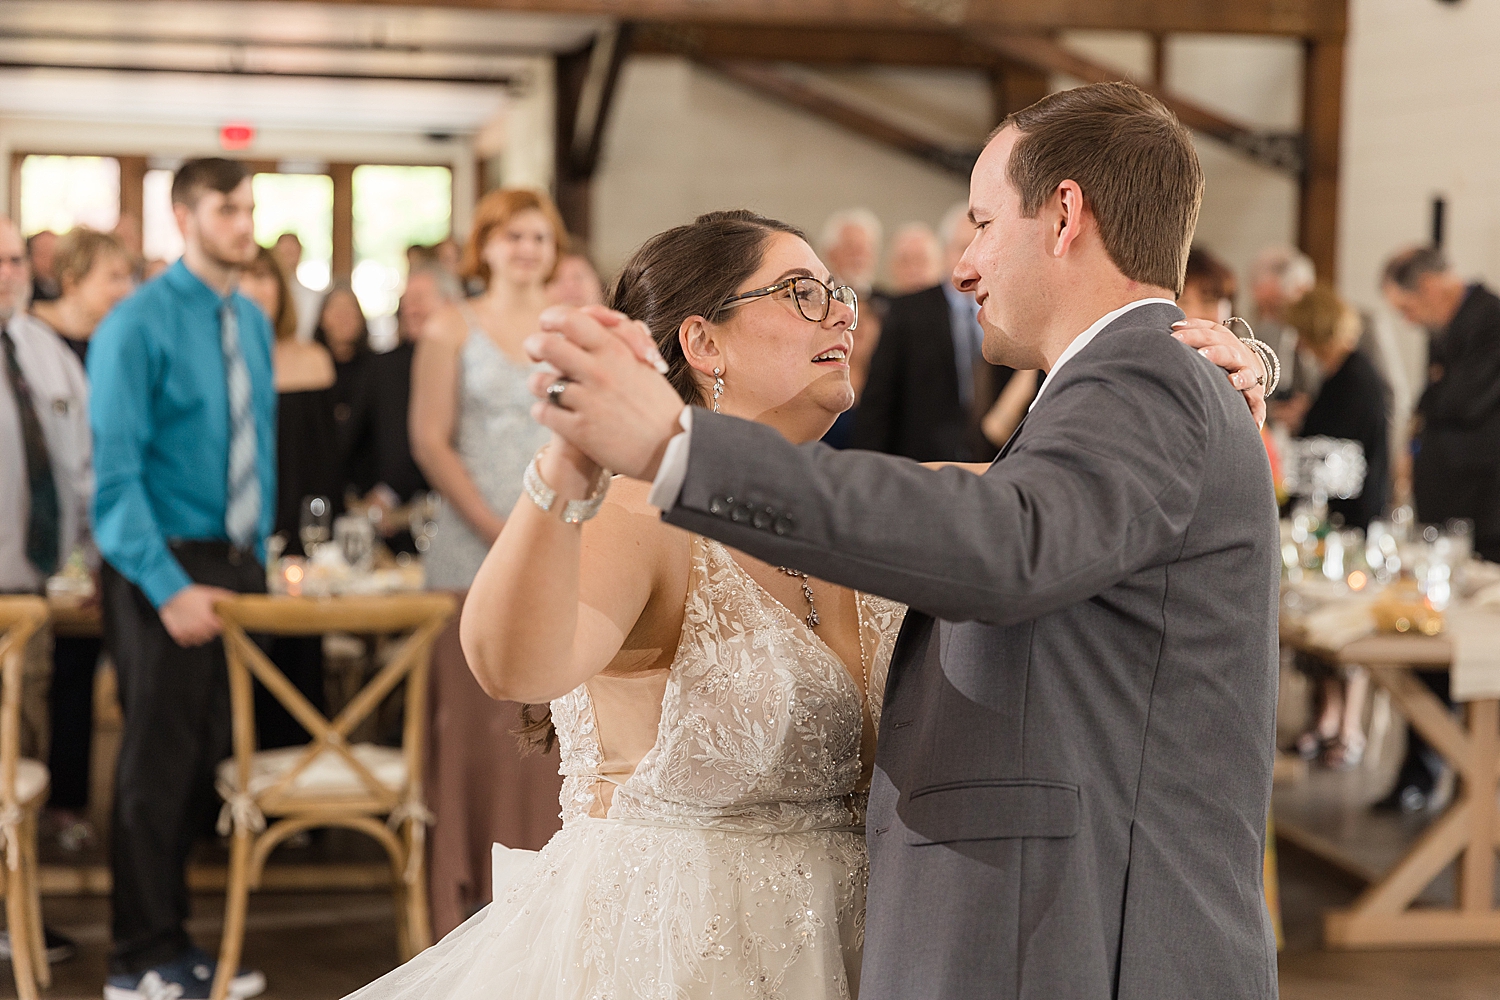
<point>544,496</point>
<point>1268,359</point>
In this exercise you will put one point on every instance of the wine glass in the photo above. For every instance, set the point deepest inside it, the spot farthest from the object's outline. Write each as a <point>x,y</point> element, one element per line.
<point>316,523</point>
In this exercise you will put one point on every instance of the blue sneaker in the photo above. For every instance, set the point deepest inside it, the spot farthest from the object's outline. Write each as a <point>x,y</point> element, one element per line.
<point>190,976</point>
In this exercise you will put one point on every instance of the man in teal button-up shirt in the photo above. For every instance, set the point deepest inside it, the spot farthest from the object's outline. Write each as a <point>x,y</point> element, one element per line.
<point>180,526</point>
<point>161,420</point>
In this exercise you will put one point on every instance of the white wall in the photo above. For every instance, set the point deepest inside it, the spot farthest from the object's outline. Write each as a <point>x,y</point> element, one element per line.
<point>1258,81</point>
<point>683,141</point>
<point>1421,118</point>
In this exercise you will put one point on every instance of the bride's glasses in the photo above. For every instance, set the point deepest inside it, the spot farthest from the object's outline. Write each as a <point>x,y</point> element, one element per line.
<point>812,298</point>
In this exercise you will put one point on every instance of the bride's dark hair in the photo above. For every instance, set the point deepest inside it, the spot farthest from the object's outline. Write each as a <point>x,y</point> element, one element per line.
<point>689,270</point>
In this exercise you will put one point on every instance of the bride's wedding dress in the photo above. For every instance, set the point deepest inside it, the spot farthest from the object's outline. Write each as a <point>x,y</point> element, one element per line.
<point>712,844</point>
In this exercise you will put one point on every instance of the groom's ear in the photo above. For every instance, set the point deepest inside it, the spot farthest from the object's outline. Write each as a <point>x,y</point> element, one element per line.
<point>1068,220</point>
<point>698,344</point>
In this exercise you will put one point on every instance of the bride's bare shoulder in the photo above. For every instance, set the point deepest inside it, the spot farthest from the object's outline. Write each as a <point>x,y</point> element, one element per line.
<point>630,521</point>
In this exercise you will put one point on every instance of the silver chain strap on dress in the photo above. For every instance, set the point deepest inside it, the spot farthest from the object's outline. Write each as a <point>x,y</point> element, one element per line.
<point>544,496</point>
<point>812,607</point>
<point>1268,359</point>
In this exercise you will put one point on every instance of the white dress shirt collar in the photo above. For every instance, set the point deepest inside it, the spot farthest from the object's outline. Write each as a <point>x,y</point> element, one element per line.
<point>1086,337</point>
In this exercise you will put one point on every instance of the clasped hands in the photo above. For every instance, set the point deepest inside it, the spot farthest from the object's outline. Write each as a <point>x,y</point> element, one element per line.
<point>611,401</point>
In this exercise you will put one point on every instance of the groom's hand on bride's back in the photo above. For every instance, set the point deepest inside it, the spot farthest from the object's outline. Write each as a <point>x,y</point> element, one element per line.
<point>1218,344</point>
<point>615,406</point>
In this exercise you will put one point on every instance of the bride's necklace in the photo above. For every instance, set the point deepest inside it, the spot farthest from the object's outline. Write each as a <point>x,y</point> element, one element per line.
<point>813,621</point>
<point>807,592</point>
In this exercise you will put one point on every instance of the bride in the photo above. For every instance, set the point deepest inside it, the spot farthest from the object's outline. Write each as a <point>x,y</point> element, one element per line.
<point>716,715</point>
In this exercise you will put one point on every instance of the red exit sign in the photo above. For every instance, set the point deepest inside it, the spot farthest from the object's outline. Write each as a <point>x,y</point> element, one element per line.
<point>236,135</point>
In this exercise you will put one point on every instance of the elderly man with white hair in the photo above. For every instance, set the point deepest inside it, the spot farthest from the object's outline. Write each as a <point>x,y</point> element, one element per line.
<point>1279,277</point>
<point>851,248</point>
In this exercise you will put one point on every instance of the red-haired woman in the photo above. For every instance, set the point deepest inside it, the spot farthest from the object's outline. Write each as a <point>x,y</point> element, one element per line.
<point>472,435</point>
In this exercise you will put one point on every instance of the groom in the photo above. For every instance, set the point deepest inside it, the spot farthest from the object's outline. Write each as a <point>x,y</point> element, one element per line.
<point>1075,755</point>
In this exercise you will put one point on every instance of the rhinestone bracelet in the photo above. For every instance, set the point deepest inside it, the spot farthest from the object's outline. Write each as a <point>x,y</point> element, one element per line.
<point>544,496</point>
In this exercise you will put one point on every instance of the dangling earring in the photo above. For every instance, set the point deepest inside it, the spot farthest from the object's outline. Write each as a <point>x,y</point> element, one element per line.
<point>718,387</point>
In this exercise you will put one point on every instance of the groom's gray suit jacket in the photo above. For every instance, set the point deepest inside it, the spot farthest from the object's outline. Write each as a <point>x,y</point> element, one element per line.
<point>1075,755</point>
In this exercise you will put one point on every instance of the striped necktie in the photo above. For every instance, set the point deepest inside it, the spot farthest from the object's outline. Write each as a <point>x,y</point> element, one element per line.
<point>242,506</point>
<point>43,526</point>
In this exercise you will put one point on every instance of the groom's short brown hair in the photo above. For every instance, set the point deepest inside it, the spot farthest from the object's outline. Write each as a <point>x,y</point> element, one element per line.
<point>1135,163</point>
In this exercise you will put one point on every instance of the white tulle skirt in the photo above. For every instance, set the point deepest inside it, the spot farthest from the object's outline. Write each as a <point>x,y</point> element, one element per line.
<point>621,910</point>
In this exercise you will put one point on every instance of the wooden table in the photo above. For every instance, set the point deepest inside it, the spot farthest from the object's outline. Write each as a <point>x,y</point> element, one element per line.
<point>75,619</point>
<point>1467,832</point>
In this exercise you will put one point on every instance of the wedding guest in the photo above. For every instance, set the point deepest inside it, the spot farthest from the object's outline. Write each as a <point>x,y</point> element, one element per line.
<point>1455,441</point>
<point>420,255</point>
<point>916,259</point>
<point>42,249</point>
<point>1456,471</point>
<point>1208,287</point>
<point>93,275</point>
<point>428,289</point>
<point>576,282</point>
<point>450,256</point>
<point>342,329</point>
<point>46,484</point>
<point>472,435</point>
<point>1279,277</point>
<point>182,384</point>
<point>1208,292</point>
<point>929,391</point>
<point>128,232</point>
<point>1352,403</point>
<point>305,447</point>
<point>93,272</point>
<point>288,251</point>
<point>851,248</point>
<point>304,374</point>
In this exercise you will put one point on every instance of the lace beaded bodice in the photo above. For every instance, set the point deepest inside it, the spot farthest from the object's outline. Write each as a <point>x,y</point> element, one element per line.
<point>760,721</point>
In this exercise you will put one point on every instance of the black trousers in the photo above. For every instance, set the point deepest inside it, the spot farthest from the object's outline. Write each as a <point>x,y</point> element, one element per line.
<point>175,703</point>
<point>74,660</point>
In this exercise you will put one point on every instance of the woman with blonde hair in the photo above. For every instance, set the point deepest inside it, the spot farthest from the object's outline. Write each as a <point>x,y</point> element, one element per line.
<point>93,275</point>
<point>1353,403</point>
<point>472,434</point>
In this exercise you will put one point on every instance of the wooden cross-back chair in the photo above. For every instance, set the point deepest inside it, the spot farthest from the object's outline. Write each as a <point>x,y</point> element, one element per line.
<point>329,781</point>
<point>23,790</point>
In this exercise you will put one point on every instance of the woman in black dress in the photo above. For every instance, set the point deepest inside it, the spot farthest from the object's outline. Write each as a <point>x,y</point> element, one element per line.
<point>1354,401</point>
<point>1353,404</point>
<point>343,331</point>
<point>305,451</point>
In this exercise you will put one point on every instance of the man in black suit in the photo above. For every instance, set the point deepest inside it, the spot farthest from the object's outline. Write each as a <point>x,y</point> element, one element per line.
<point>1456,465</point>
<point>1455,437</point>
<point>929,388</point>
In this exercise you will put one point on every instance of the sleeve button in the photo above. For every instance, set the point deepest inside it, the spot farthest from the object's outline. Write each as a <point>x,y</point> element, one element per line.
<point>782,526</point>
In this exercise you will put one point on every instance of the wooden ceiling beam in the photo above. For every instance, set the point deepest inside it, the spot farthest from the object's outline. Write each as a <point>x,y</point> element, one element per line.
<point>852,47</point>
<point>767,81</point>
<point>1280,151</point>
<point>1297,18</point>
